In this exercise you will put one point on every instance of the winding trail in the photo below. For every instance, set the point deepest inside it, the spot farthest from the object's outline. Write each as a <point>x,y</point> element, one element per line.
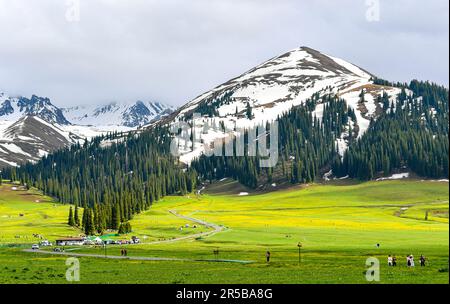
<point>216,229</point>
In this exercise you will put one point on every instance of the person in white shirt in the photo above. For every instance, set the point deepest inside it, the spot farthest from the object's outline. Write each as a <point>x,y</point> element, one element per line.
<point>389,260</point>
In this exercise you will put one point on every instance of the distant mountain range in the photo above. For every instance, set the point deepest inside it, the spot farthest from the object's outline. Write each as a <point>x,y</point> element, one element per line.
<point>33,127</point>
<point>113,114</point>
<point>120,114</point>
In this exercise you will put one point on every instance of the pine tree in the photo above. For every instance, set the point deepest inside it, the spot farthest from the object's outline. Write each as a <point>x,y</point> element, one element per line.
<point>76,217</point>
<point>84,219</point>
<point>362,96</point>
<point>124,228</point>
<point>121,229</point>
<point>248,111</point>
<point>116,219</point>
<point>71,221</point>
<point>89,229</point>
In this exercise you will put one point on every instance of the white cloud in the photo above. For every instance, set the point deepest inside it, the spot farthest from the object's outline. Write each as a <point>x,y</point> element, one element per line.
<point>173,50</point>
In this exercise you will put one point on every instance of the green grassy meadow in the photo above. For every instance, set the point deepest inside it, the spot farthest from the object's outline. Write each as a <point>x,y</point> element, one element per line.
<point>24,213</point>
<point>338,224</point>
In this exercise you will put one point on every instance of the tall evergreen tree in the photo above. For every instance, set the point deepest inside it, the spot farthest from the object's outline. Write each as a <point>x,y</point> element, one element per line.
<point>76,217</point>
<point>71,221</point>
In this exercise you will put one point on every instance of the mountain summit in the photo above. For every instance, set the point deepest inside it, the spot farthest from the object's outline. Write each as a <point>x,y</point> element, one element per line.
<point>284,81</point>
<point>272,88</point>
<point>13,108</point>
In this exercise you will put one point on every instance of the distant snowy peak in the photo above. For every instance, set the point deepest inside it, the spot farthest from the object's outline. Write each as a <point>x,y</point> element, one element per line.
<point>14,108</point>
<point>114,114</point>
<point>29,139</point>
<point>30,128</point>
<point>120,114</point>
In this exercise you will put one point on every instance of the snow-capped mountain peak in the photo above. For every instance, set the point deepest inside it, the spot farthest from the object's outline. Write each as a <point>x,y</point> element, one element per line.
<point>272,88</point>
<point>14,108</point>
<point>287,80</point>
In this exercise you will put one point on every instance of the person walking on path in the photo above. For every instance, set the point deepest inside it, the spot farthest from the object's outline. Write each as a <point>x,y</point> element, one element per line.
<point>422,261</point>
<point>268,256</point>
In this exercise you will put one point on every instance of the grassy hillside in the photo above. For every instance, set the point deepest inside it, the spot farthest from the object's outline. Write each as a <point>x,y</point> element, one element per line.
<point>338,225</point>
<point>24,213</point>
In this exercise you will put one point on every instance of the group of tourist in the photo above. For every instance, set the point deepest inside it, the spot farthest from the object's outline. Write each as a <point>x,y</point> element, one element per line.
<point>392,261</point>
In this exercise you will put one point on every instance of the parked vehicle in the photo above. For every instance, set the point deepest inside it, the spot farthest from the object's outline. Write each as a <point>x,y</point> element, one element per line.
<point>45,243</point>
<point>35,247</point>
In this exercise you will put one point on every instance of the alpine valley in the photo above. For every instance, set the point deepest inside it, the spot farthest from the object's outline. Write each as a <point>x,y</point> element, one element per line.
<point>362,171</point>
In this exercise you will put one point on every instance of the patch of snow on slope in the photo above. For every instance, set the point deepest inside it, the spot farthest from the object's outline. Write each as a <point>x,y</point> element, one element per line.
<point>10,163</point>
<point>342,142</point>
<point>14,149</point>
<point>351,67</point>
<point>370,105</point>
<point>318,112</point>
<point>327,175</point>
<point>395,176</point>
<point>353,99</point>
<point>89,132</point>
<point>342,146</point>
<point>42,153</point>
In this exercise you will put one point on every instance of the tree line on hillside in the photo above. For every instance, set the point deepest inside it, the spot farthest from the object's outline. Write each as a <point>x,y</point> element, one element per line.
<point>412,133</point>
<point>112,178</point>
<point>305,144</point>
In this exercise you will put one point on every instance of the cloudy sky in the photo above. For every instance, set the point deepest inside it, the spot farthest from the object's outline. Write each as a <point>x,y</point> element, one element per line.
<point>174,50</point>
